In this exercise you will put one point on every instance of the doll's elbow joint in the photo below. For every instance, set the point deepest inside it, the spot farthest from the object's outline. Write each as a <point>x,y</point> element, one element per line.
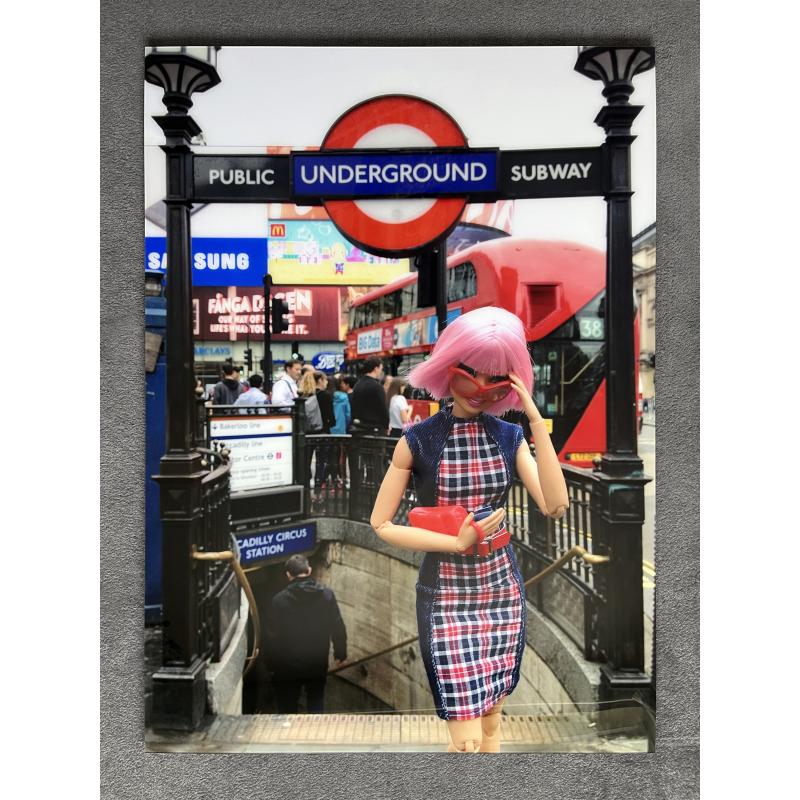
<point>379,526</point>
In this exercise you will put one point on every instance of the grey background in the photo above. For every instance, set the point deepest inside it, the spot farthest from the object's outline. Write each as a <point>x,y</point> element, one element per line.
<point>130,772</point>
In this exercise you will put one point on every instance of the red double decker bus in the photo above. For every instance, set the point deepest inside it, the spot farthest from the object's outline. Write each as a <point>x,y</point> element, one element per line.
<point>557,289</point>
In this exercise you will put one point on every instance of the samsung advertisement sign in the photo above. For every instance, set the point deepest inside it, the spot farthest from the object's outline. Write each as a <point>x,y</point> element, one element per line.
<point>215,261</point>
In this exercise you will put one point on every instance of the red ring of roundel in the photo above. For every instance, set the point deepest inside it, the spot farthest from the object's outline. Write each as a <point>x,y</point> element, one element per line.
<point>394,110</point>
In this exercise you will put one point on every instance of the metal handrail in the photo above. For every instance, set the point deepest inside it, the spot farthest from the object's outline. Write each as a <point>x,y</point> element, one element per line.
<point>383,652</point>
<point>229,555</point>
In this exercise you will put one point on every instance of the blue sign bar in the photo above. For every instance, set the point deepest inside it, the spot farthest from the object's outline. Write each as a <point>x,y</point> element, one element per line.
<point>392,174</point>
<point>215,261</point>
<point>276,544</point>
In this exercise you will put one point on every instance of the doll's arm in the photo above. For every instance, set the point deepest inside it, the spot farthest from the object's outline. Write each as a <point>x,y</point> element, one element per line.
<point>543,477</point>
<point>529,474</point>
<point>388,500</point>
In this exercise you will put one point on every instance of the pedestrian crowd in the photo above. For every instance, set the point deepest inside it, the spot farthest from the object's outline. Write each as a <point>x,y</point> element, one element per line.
<point>374,403</point>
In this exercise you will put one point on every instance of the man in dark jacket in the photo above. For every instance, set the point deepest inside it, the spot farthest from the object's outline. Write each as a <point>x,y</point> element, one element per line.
<point>368,401</point>
<point>227,391</point>
<point>304,620</point>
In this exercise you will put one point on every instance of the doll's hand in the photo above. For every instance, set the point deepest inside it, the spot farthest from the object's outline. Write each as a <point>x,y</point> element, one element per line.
<point>528,406</point>
<point>467,535</point>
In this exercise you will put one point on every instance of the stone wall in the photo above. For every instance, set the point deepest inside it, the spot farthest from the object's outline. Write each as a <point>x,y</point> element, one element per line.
<point>224,677</point>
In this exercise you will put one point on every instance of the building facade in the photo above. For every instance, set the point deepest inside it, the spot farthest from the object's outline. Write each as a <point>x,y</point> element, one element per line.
<point>644,287</point>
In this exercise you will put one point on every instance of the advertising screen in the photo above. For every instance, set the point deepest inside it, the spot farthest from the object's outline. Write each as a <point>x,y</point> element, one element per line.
<point>314,252</point>
<point>228,313</point>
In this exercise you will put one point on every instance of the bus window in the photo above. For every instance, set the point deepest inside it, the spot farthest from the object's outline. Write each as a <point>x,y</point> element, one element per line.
<point>453,281</point>
<point>470,281</point>
<point>392,306</point>
<point>461,282</point>
<point>371,312</point>
<point>408,299</point>
<point>566,376</point>
<point>569,365</point>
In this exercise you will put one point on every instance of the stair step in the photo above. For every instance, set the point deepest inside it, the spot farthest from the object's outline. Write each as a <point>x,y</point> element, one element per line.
<point>262,733</point>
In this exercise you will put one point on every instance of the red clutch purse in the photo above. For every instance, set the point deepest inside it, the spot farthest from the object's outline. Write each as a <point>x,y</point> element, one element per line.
<point>440,519</point>
<point>448,519</point>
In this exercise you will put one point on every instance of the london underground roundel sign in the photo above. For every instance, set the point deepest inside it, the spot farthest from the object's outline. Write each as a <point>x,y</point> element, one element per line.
<point>395,226</point>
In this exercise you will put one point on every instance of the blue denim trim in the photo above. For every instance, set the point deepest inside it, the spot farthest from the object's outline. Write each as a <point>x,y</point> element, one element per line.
<point>427,592</point>
<point>521,644</point>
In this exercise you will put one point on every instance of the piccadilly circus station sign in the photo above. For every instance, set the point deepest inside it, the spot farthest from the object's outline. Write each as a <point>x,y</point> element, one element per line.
<point>394,174</point>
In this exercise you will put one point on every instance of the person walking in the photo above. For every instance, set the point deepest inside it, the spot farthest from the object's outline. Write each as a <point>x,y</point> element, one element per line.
<point>368,401</point>
<point>325,400</point>
<point>343,416</point>
<point>304,621</point>
<point>370,418</point>
<point>226,392</point>
<point>324,455</point>
<point>284,390</point>
<point>307,390</point>
<point>399,410</point>
<point>341,404</point>
<point>253,396</point>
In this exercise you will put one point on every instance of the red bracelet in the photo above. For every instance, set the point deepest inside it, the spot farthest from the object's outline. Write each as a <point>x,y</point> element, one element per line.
<point>479,531</point>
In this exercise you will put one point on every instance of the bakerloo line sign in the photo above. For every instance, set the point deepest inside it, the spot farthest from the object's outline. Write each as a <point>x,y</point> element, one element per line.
<point>413,157</point>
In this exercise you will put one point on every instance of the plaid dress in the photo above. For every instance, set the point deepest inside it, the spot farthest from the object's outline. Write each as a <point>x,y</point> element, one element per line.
<point>474,617</point>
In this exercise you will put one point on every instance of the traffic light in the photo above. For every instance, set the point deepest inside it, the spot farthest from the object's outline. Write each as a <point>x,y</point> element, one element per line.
<point>427,278</point>
<point>279,309</point>
<point>248,359</point>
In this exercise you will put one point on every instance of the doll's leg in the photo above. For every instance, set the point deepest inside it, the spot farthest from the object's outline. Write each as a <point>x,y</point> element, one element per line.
<point>465,735</point>
<point>490,725</point>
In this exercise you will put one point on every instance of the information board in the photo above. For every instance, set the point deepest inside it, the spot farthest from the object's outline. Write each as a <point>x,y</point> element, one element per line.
<point>260,447</point>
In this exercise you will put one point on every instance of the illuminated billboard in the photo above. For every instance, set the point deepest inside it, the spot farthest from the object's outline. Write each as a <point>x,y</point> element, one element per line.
<point>314,252</point>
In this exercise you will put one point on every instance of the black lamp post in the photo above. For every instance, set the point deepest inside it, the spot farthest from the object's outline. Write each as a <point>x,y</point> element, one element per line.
<point>179,687</point>
<point>618,501</point>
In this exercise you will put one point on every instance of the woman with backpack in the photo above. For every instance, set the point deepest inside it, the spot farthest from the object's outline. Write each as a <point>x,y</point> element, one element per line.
<point>319,419</point>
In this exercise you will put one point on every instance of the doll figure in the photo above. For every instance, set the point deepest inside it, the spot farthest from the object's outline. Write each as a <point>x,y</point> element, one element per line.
<point>471,608</point>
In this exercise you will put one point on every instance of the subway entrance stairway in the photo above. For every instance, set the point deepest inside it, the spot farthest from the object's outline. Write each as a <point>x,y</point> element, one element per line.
<point>623,727</point>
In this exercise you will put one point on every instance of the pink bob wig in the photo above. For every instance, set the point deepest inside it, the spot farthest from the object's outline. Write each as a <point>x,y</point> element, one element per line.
<point>490,340</point>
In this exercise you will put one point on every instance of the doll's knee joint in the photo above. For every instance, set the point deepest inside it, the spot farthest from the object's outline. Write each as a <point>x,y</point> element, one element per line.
<point>468,745</point>
<point>491,722</point>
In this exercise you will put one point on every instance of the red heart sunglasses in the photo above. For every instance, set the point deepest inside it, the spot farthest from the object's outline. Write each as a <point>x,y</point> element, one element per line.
<point>465,384</point>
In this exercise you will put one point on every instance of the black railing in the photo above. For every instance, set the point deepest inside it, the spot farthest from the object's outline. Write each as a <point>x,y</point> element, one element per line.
<point>215,579</point>
<point>572,598</point>
<point>200,603</point>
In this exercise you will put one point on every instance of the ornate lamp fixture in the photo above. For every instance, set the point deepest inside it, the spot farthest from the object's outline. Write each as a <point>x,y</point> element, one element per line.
<point>181,71</point>
<point>616,67</point>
